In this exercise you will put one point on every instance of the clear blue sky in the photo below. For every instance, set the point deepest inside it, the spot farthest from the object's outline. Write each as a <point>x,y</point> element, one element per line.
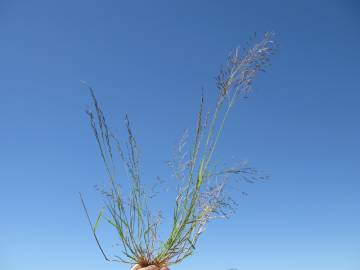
<point>150,59</point>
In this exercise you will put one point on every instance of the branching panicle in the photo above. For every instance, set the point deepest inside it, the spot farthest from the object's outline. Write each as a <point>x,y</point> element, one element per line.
<point>201,193</point>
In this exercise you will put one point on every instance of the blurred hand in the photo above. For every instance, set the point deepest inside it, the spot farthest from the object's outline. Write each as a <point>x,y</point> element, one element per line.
<point>150,267</point>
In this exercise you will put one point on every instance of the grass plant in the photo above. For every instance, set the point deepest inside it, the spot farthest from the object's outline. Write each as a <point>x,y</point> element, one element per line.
<point>201,191</point>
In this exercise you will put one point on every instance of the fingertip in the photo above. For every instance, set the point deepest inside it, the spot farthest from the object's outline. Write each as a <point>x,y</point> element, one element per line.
<point>136,267</point>
<point>151,267</point>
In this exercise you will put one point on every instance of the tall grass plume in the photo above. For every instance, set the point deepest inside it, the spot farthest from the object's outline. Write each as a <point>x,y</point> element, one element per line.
<point>201,186</point>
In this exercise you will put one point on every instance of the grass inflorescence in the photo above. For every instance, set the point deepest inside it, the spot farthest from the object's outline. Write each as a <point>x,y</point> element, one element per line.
<point>201,192</point>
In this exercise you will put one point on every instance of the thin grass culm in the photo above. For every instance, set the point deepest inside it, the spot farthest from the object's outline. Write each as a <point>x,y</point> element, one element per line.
<point>201,186</point>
